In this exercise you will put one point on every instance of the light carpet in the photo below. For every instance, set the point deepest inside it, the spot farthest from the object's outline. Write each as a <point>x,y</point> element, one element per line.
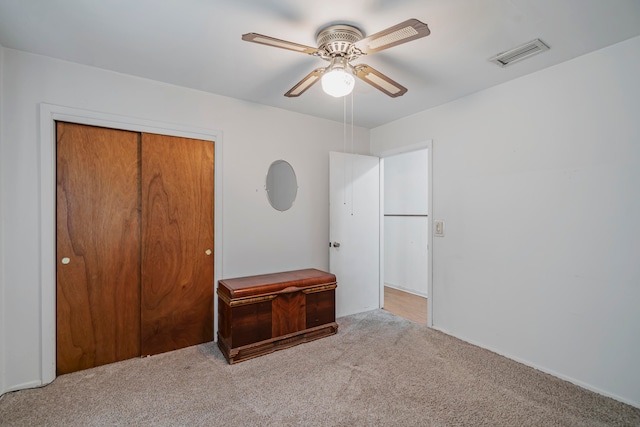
<point>379,370</point>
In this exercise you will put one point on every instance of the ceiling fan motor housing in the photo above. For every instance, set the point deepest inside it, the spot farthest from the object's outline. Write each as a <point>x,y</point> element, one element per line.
<point>337,40</point>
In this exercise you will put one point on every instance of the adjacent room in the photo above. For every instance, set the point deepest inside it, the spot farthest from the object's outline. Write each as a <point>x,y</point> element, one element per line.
<point>278,212</point>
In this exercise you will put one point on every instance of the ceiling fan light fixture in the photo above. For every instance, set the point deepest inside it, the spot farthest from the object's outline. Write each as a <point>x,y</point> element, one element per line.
<point>338,81</point>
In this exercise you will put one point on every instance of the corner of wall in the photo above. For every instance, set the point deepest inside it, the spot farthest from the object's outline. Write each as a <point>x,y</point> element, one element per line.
<point>2,310</point>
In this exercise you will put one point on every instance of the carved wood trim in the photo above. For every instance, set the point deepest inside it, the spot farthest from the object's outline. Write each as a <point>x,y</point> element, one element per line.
<point>245,301</point>
<point>234,355</point>
<point>327,287</point>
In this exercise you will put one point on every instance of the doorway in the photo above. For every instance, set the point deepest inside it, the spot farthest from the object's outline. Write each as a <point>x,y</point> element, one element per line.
<point>406,278</point>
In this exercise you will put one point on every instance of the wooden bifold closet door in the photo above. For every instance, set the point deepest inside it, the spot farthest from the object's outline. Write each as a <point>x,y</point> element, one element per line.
<point>134,244</point>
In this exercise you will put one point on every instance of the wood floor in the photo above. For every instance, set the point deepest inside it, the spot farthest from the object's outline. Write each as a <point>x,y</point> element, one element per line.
<point>404,304</point>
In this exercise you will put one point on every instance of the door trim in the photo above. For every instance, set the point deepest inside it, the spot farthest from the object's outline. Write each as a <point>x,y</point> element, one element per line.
<point>428,144</point>
<point>49,114</point>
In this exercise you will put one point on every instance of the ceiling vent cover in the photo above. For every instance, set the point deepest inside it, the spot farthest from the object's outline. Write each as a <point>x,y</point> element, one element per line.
<point>519,53</point>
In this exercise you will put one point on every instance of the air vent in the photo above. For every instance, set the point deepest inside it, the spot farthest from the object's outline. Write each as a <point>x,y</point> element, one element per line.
<point>519,53</point>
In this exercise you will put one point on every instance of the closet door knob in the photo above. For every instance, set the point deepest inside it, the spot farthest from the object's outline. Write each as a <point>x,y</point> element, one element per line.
<point>208,252</point>
<point>65,260</point>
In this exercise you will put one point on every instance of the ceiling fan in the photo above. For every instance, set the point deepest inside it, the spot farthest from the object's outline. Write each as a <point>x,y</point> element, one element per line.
<point>341,44</point>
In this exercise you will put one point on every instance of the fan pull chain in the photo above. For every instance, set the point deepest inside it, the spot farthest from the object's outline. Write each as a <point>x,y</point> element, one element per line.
<point>352,143</point>
<point>344,149</point>
<point>352,152</point>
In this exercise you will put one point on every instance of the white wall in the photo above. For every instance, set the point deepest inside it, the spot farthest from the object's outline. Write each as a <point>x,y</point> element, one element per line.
<point>256,238</point>
<point>405,183</point>
<point>538,181</point>
<point>405,237</point>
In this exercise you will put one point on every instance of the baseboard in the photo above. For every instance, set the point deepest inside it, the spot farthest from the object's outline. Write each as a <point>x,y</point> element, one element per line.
<point>542,369</point>
<point>409,291</point>
<point>23,386</point>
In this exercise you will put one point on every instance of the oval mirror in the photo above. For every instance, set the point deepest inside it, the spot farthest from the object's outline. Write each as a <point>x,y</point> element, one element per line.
<point>282,185</point>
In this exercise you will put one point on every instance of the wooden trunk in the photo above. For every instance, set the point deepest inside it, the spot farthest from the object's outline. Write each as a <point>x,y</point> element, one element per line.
<point>258,315</point>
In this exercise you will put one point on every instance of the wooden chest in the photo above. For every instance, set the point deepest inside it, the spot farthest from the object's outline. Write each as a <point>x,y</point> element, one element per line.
<point>261,314</point>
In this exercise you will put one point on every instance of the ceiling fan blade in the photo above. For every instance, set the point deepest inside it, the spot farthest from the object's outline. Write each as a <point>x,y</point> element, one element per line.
<point>283,44</point>
<point>304,84</point>
<point>404,32</point>
<point>378,80</point>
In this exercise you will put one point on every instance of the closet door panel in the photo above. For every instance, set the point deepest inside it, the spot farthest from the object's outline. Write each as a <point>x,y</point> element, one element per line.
<point>177,243</point>
<point>98,250</point>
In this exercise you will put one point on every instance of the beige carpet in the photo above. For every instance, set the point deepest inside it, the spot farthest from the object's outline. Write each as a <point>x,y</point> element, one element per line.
<point>379,370</point>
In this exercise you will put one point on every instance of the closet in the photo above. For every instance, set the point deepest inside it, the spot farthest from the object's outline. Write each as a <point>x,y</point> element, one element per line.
<point>134,244</point>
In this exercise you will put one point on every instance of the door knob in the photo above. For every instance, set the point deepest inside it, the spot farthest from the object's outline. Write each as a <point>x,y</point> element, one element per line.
<point>335,244</point>
<point>208,252</point>
<point>65,260</point>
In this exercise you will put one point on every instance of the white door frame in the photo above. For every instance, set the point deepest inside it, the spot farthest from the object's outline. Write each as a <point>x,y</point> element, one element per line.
<point>428,144</point>
<point>49,114</point>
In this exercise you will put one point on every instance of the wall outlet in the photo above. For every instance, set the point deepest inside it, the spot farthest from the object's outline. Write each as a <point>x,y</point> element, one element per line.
<point>439,228</point>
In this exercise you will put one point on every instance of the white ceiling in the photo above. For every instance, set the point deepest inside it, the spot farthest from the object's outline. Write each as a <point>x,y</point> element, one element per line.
<point>197,43</point>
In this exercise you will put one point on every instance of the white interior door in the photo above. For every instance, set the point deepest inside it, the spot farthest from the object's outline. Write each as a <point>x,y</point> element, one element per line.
<point>354,215</point>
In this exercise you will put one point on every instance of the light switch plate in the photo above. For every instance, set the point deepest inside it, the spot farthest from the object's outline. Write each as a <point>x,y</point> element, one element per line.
<point>439,228</point>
